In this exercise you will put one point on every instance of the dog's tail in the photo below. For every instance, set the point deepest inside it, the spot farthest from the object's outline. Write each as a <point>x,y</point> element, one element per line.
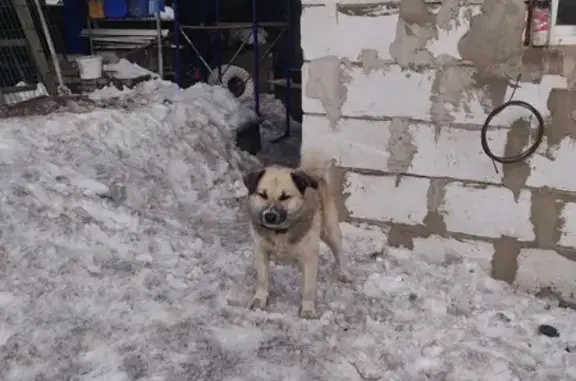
<point>317,164</point>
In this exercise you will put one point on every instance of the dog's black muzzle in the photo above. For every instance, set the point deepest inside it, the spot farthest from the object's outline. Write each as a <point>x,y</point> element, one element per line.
<point>273,216</point>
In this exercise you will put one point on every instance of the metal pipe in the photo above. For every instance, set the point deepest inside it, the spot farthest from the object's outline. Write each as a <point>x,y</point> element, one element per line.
<point>256,58</point>
<point>236,54</point>
<point>218,42</point>
<point>289,50</point>
<point>288,73</point>
<point>272,44</point>
<point>89,27</point>
<point>159,41</point>
<point>176,33</point>
<point>191,44</point>
<point>232,25</point>
<point>62,89</point>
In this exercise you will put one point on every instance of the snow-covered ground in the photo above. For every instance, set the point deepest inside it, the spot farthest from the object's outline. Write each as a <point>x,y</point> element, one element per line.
<point>123,257</point>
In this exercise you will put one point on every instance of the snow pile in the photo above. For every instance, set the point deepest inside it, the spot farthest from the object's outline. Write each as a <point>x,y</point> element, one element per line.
<point>123,257</point>
<point>169,151</point>
<point>167,14</point>
<point>124,69</point>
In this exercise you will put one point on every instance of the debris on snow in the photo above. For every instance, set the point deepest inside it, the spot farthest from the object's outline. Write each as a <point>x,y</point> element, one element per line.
<point>548,330</point>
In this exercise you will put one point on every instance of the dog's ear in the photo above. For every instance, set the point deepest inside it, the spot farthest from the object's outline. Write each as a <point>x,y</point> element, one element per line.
<point>302,180</point>
<point>252,179</point>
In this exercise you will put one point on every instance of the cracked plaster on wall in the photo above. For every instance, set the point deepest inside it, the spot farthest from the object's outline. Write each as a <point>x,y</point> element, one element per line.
<point>401,147</point>
<point>409,46</point>
<point>493,42</point>
<point>417,25</point>
<point>370,61</point>
<point>452,90</point>
<point>326,82</point>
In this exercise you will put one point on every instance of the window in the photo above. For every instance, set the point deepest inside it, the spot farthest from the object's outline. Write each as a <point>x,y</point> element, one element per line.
<point>566,12</point>
<point>563,22</point>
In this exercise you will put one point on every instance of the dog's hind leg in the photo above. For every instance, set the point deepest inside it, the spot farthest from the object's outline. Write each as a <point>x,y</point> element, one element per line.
<point>332,236</point>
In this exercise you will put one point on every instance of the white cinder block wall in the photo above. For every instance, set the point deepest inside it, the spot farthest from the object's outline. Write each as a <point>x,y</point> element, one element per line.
<point>397,92</point>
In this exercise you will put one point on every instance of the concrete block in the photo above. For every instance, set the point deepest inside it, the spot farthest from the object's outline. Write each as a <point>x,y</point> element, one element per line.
<point>394,92</point>
<point>327,32</point>
<point>378,198</point>
<point>487,211</point>
<point>553,170</point>
<point>436,249</point>
<point>409,147</point>
<point>448,35</point>
<point>568,226</point>
<point>546,268</point>
<point>353,143</point>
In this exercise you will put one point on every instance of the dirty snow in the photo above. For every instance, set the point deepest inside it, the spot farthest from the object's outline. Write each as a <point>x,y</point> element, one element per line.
<point>122,257</point>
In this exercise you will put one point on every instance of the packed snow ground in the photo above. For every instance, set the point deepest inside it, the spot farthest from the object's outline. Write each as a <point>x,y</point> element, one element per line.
<point>123,257</point>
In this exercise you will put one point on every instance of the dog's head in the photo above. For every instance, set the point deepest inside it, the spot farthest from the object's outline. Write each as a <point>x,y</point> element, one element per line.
<point>277,196</point>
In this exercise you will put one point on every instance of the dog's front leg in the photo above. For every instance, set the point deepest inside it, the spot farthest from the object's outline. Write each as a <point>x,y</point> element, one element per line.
<point>309,267</point>
<point>262,262</point>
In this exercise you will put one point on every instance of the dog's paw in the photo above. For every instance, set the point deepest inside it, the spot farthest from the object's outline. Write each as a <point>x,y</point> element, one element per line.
<point>307,311</point>
<point>341,274</point>
<point>344,276</point>
<point>258,301</point>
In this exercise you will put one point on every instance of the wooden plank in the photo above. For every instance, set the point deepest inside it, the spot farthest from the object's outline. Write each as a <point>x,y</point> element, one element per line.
<point>128,19</point>
<point>237,25</point>
<point>122,32</point>
<point>115,47</point>
<point>282,83</point>
<point>38,54</point>
<point>133,20</point>
<point>263,24</point>
<point>133,39</point>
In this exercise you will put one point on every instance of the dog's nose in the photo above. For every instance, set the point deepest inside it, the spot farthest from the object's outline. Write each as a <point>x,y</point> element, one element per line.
<point>271,217</point>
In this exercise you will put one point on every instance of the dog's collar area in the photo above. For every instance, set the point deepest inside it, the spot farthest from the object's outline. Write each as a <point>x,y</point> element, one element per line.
<point>275,230</point>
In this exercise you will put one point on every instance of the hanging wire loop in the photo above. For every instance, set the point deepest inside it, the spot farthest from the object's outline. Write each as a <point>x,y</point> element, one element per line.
<point>530,150</point>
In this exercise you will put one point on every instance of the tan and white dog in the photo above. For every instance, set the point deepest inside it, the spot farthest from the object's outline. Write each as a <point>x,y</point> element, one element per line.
<point>291,211</point>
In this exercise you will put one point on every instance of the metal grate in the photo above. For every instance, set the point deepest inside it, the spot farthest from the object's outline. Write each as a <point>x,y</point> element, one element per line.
<point>16,62</point>
<point>23,51</point>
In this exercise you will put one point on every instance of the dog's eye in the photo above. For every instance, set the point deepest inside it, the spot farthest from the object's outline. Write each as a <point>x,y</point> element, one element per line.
<point>284,197</point>
<point>263,195</point>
